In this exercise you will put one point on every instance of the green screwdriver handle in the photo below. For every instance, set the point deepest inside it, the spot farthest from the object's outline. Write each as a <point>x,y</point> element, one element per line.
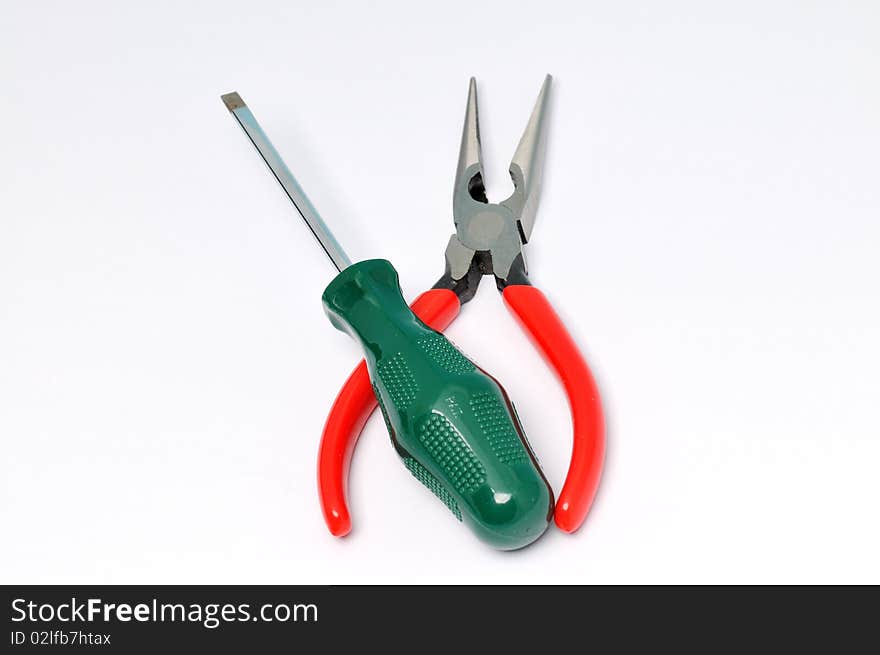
<point>451,422</point>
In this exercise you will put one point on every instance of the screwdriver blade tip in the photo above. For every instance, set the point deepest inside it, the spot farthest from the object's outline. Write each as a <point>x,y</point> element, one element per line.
<point>232,101</point>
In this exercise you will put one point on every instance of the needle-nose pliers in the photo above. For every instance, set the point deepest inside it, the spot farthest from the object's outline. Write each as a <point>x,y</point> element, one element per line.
<point>488,240</point>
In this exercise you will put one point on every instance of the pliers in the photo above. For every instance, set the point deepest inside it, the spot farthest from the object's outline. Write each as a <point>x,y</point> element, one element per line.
<point>488,240</point>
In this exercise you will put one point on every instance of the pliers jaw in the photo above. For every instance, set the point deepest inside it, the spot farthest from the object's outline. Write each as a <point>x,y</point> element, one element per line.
<point>489,237</point>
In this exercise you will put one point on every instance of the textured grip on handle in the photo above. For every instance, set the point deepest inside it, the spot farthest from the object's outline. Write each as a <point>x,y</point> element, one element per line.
<point>450,421</point>
<point>353,406</point>
<point>541,322</point>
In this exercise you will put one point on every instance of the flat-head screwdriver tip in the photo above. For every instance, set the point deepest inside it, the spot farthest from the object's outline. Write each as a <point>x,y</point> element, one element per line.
<point>232,101</point>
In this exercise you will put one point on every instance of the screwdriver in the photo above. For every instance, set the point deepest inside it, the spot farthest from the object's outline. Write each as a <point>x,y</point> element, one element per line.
<point>444,414</point>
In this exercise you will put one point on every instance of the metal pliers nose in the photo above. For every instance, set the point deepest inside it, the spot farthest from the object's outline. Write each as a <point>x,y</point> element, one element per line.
<point>489,237</point>
<point>488,240</point>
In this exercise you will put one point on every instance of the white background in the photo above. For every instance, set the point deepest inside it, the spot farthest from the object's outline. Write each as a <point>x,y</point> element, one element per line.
<point>709,230</point>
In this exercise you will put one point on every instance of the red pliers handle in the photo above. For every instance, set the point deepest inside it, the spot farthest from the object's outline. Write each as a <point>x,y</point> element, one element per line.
<point>438,308</point>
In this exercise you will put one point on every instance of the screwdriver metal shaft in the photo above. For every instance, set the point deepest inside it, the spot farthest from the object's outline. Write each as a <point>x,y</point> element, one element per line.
<point>285,178</point>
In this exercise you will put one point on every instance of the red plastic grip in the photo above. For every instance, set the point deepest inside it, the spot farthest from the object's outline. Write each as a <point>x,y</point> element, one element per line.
<point>543,325</point>
<point>353,406</point>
